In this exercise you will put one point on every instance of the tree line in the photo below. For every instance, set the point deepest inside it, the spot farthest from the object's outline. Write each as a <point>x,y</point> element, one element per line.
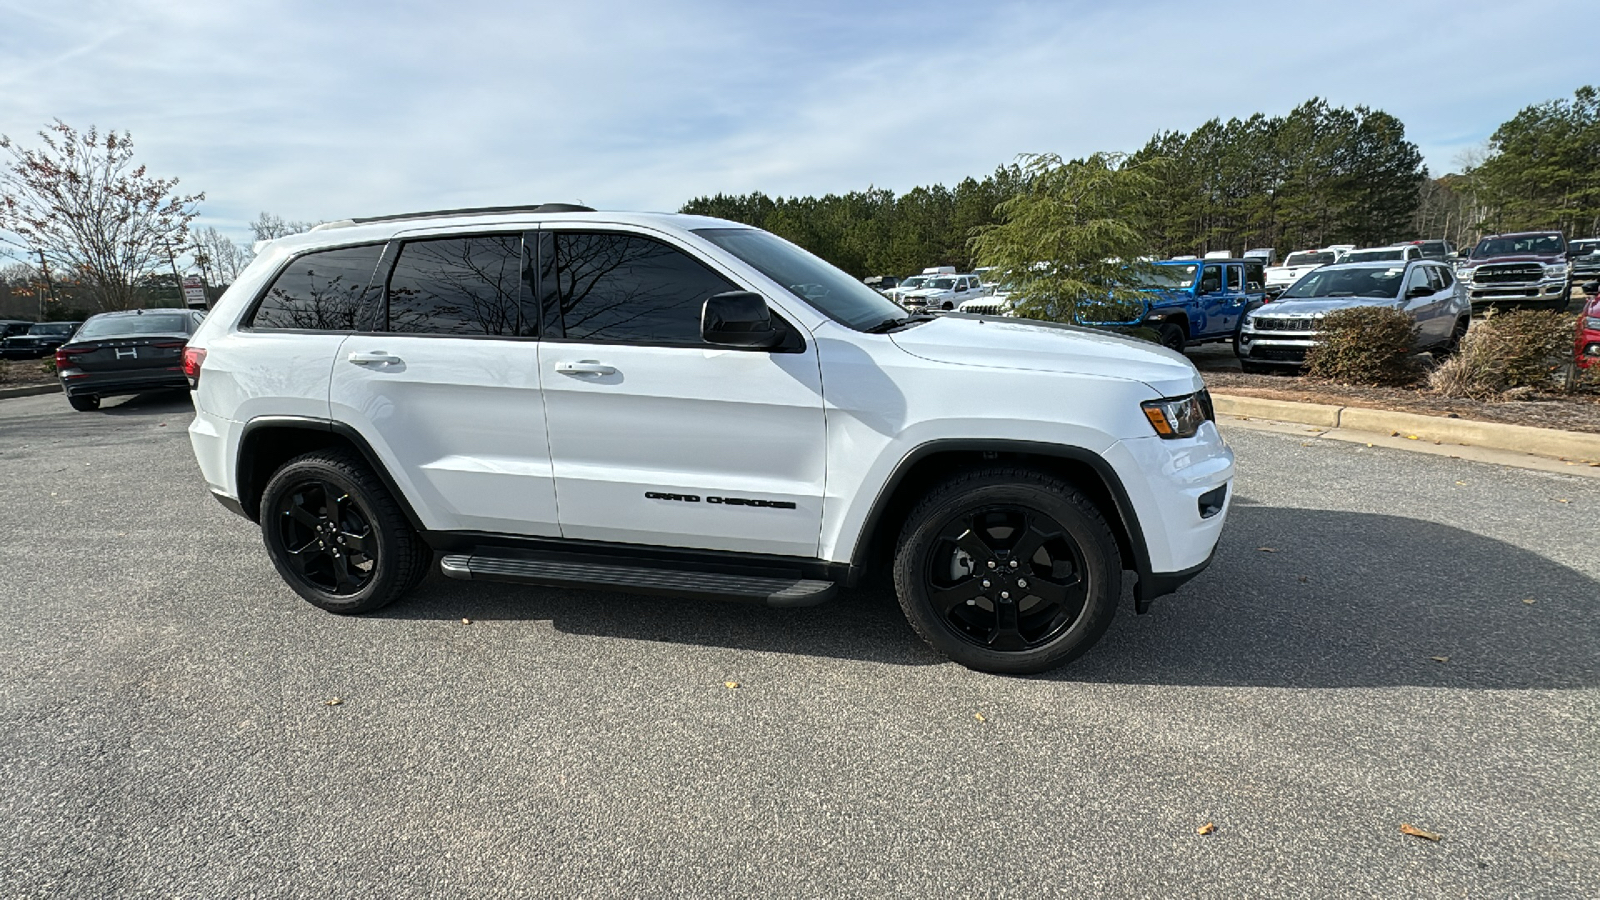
<point>1320,175</point>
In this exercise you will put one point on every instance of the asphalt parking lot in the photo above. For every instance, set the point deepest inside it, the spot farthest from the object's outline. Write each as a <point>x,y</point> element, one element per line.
<point>1385,638</point>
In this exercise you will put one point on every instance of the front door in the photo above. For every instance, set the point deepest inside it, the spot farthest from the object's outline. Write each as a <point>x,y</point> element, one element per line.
<point>445,387</point>
<point>656,437</point>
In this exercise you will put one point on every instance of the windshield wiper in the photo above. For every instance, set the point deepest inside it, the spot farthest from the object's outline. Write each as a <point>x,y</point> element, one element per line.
<point>893,324</point>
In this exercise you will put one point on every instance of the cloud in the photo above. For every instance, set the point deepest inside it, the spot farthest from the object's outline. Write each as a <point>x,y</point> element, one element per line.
<point>318,110</point>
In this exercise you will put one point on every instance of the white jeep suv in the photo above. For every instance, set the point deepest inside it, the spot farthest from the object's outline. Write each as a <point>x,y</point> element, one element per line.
<point>685,406</point>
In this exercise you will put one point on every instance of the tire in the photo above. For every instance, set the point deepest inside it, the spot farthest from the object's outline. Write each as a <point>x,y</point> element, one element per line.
<point>1254,368</point>
<point>84,402</point>
<point>948,307</point>
<point>1172,336</point>
<point>1458,333</point>
<point>1560,304</point>
<point>965,547</point>
<point>329,500</point>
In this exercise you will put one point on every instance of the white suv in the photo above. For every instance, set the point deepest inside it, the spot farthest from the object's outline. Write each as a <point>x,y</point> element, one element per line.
<point>686,406</point>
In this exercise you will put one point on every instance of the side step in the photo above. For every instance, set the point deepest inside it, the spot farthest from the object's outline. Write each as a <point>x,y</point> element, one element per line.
<point>770,588</point>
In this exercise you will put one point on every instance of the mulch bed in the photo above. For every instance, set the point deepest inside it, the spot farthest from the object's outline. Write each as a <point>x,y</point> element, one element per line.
<point>18,372</point>
<point>1567,412</point>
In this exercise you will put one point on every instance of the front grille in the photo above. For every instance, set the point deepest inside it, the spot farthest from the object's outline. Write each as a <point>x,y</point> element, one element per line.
<point>1283,324</point>
<point>1279,354</point>
<point>1509,273</point>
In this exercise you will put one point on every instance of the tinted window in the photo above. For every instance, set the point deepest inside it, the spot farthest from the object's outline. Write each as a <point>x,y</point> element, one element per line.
<point>1210,280</point>
<point>320,291</point>
<point>1254,276</point>
<point>828,290</point>
<point>54,329</point>
<point>1446,277</point>
<point>1434,281</point>
<point>1418,279</point>
<point>1233,278</point>
<point>461,286</point>
<point>622,287</point>
<point>156,323</point>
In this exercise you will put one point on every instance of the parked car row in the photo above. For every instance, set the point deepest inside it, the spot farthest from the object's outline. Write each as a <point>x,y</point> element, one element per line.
<point>36,341</point>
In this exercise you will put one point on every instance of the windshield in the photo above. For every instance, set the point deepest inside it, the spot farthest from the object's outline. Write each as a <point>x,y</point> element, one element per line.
<point>1309,258</point>
<point>118,326</point>
<point>914,281</point>
<point>1584,248</point>
<point>830,291</point>
<point>941,284</point>
<point>1376,255</point>
<point>1168,276</point>
<point>51,328</point>
<point>1367,281</point>
<point>1539,244</point>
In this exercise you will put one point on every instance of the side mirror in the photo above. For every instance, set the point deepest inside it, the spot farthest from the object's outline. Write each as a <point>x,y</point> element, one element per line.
<point>1418,292</point>
<point>1591,288</point>
<point>737,319</point>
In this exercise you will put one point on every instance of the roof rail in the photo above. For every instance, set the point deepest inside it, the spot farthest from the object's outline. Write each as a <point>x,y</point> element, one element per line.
<point>465,211</point>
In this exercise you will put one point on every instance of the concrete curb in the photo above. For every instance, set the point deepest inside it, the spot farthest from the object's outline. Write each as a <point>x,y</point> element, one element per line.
<point>29,390</point>
<point>1547,442</point>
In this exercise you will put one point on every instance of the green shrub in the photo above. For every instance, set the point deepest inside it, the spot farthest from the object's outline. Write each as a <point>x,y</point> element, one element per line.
<point>1504,351</point>
<point>1366,345</point>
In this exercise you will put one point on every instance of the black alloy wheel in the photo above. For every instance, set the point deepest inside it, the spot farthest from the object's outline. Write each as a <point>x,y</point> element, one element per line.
<point>1006,578</point>
<point>327,538</point>
<point>1008,570</point>
<point>336,535</point>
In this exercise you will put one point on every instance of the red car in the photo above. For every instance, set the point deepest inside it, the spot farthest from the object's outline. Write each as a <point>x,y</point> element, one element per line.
<point>1588,348</point>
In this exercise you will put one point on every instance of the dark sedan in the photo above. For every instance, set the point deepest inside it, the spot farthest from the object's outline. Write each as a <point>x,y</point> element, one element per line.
<point>39,341</point>
<point>125,353</point>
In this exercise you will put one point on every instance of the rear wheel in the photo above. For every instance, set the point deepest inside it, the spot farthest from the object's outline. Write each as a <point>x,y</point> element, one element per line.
<point>84,402</point>
<point>337,537</point>
<point>1008,570</point>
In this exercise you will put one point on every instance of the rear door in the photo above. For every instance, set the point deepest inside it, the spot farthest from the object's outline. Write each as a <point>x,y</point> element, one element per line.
<point>656,437</point>
<point>445,385</point>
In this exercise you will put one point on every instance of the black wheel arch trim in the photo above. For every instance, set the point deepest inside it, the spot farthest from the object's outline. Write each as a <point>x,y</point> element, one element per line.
<point>1149,584</point>
<point>244,464</point>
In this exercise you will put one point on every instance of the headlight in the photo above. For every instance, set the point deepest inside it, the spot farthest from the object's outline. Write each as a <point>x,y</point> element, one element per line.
<point>1178,417</point>
<point>1591,323</point>
<point>1555,270</point>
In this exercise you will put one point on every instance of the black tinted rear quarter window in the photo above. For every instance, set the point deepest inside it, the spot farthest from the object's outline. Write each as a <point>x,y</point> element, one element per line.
<point>323,291</point>
<point>466,286</point>
<point>618,287</point>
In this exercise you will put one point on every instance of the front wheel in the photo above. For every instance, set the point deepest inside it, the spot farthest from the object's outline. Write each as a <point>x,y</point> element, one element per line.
<point>337,537</point>
<point>1172,336</point>
<point>1008,570</point>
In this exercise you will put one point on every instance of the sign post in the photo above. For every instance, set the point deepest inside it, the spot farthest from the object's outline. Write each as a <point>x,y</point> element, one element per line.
<point>194,292</point>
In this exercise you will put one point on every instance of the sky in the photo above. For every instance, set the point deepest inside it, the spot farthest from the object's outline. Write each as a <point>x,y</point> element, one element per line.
<point>339,108</point>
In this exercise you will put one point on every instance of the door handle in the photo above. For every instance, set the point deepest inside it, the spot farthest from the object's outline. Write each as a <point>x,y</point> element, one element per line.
<point>374,358</point>
<point>584,367</point>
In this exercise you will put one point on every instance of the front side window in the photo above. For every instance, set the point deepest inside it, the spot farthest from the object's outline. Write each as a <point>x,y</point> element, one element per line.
<point>323,291</point>
<point>1419,279</point>
<point>1211,280</point>
<point>467,286</point>
<point>618,287</point>
<point>825,288</point>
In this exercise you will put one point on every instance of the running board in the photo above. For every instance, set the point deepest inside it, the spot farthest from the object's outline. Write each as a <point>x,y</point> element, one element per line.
<point>774,589</point>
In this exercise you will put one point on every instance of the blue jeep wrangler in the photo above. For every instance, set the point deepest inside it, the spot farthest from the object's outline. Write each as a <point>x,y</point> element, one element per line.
<point>1194,301</point>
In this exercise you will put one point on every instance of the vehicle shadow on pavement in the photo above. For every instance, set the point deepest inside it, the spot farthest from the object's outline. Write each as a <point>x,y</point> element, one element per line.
<point>158,403</point>
<point>863,624</point>
<point>1319,599</point>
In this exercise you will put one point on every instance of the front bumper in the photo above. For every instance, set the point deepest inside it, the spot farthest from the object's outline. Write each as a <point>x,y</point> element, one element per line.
<point>1181,495</point>
<point>1276,348</point>
<point>1518,292</point>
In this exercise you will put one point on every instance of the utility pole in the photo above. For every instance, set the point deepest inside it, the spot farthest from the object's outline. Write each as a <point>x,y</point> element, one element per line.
<point>45,267</point>
<point>177,280</point>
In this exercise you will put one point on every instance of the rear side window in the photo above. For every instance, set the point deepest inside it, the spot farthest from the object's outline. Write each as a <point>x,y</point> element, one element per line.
<point>319,291</point>
<point>460,286</point>
<point>626,288</point>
